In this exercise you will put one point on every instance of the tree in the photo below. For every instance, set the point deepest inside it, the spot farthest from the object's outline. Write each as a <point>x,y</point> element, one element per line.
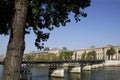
<point>91,55</point>
<point>18,17</point>
<point>84,55</point>
<point>64,48</point>
<point>52,56</point>
<point>30,57</point>
<point>42,57</point>
<point>16,45</point>
<point>65,55</point>
<point>110,52</point>
<point>119,51</point>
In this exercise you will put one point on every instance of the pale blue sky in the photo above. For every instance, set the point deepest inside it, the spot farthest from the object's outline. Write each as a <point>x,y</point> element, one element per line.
<point>100,28</point>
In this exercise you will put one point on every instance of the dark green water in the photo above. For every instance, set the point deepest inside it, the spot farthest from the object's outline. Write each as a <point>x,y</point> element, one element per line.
<point>108,73</point>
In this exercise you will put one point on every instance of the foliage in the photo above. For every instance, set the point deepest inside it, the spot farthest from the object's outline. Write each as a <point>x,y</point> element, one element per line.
<point>40,57</point>
<point>65,55</point>
<point>110,52</point>
<point>91,55</point>
<point>49,56</point>
<point>6,14</point>
<point>30,57</point>
<point>84,55</point>
<point>42,14</point>
<point>119,51</point>
<point>52,56</point>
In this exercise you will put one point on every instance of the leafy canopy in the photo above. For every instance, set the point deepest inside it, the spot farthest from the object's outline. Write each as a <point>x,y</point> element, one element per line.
<point>111,51</point>
<point>84,56</point>
<point>65,55</point>
<point>89,56</point>
<point>119,51</point>
<point>42,14</point>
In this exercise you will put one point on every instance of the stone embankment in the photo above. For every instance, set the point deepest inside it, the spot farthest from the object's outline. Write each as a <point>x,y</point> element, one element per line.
<point>111,63</point>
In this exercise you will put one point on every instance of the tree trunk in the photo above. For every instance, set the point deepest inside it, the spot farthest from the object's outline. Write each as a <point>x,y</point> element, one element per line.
<point>16,43</point>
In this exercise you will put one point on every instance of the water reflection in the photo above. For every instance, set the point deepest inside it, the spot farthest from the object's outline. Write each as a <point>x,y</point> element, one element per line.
<point>39,73</point>
<point>85,75</point>
<point>69,76</point>
<point>107,73</point>
<point>113,73</point>
<point>55,78</point>
<point>73,76</point>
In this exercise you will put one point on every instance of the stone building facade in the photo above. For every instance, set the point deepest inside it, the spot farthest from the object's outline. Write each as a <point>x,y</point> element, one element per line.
<point>100,52</point>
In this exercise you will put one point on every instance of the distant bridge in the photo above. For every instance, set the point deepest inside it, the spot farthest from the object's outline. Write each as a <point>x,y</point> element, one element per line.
<point>57,70</point>
<point>62,61</point>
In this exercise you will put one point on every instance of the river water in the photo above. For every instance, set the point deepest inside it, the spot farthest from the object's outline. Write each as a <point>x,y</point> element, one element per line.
<point>107,73</point>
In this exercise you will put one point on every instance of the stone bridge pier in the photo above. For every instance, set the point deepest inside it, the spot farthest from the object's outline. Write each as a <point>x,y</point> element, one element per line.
<point>74,68</point>
<point>57,70</point>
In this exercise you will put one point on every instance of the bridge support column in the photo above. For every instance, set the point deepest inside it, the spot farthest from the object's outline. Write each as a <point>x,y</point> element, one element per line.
<point>72,69</point>
<point>86,68</point>
<point>95,66</point>
<point>56,72</point>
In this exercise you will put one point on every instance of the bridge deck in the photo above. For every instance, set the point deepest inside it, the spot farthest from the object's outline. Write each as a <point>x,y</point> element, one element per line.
<point>59,61</point>
<point>70,61</point>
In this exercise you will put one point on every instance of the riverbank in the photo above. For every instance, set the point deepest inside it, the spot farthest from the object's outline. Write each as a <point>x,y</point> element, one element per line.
<point>111,63</point>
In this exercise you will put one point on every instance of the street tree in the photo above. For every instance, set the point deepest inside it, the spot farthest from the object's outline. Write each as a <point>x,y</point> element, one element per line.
<point>84,55</point>
<point>30,57</point>
<point>65,55</point>
<point>119,51</point>
<point>91,55</point>
<point>110,52</point>
<point>52,56</point>
<point>18,17</point>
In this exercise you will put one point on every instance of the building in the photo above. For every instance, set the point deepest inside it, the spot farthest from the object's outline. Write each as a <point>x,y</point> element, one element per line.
<point>100,52</point>
<point>57,50</point>
<point>48,51</point>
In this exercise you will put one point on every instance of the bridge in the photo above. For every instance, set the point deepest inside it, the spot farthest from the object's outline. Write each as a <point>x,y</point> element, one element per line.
<point>61,62</point>
<point>56,66</point>
<point>67,61</point>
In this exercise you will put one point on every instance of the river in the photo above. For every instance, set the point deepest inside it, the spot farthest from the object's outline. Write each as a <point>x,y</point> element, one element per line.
<point>107,73</point>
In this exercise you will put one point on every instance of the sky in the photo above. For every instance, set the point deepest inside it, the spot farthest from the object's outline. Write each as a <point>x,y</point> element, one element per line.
<point>101,27</point>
